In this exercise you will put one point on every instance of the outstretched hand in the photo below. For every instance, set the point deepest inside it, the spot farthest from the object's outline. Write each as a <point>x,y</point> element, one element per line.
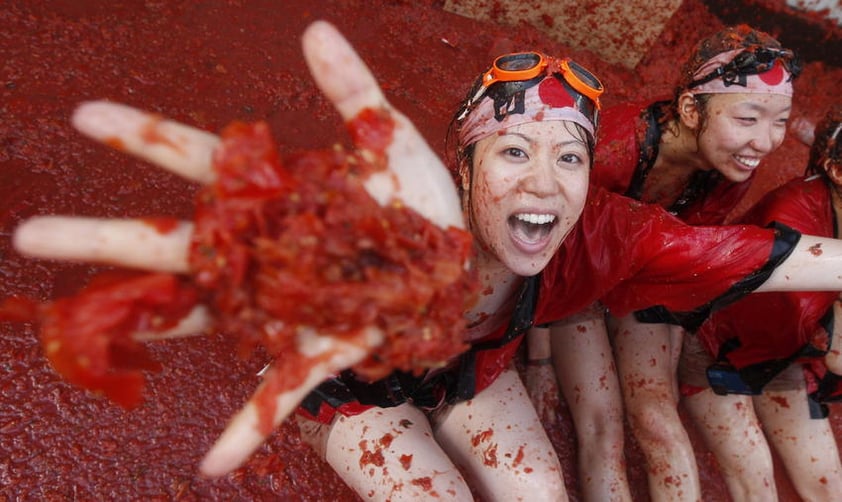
<point>415,177</point>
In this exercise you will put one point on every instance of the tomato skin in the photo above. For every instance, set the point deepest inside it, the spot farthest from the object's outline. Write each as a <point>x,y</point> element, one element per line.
<point>87,337</point>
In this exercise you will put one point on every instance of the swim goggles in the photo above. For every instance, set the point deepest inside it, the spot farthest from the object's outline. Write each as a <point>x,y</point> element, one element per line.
<point>521,70</point>
<point>752,62</point>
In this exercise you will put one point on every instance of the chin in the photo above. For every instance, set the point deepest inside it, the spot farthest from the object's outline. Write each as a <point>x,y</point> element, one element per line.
<point>528,266</point>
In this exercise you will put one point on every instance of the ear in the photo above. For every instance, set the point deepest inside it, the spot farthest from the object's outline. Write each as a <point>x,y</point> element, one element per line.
<point>465,175</point>
<point>688,111</point>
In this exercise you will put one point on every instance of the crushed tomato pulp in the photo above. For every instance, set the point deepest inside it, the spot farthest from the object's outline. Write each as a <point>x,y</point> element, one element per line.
<point>279,244</point>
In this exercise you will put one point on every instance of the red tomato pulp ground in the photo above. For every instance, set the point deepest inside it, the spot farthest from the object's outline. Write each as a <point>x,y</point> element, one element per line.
<point>207,64</point>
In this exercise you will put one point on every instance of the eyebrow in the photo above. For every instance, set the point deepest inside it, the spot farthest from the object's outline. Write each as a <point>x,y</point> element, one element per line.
<point>530,140</point>
<point>761,108</point>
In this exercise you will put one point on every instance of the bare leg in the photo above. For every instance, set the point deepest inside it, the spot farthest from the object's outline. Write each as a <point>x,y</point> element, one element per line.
<point>499,442</point>
<point>646,360</point>
<point>584,365</point>
<point>732,432</point>
<point>388,454</point>
<point>806,445</point>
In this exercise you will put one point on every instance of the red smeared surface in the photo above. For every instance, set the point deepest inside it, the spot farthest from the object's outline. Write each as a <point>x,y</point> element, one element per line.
<point>207,64</point>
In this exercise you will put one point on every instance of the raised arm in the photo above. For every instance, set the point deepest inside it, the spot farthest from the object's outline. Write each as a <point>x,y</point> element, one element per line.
<point>814,265</point>
<point>415,178</point>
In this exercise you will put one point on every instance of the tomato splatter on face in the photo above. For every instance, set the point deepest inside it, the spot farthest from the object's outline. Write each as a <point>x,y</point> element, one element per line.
<point>581,329</point>
<point>816,249</point>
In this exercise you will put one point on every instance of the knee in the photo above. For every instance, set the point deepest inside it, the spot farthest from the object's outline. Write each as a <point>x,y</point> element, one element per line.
<point>601,432</point>
<point>656,422</point>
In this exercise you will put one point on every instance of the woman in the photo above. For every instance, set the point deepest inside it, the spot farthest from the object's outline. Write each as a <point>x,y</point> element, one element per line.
<point>695,156</point>
<point>767,344</point>
<point>526,134</point>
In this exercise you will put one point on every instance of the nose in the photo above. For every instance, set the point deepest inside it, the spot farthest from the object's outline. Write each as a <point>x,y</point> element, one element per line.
<point>540,179</point>
<point>768,138</point>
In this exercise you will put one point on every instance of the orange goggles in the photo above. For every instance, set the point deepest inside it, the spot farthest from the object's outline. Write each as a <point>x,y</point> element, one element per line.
<point>526,66</point>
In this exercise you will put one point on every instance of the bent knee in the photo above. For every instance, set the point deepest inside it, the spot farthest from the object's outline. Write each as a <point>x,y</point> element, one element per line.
<point>657,423</point>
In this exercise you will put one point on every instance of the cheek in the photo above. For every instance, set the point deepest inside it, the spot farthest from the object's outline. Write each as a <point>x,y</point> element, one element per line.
<point>576,193</point>
<point>718,141</point>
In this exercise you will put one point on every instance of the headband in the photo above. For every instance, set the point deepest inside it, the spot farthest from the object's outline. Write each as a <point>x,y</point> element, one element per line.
<point>776,80</point>
<point>548,100</point>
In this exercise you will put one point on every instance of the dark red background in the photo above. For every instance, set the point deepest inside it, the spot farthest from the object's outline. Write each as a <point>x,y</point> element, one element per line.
<point>207,63</point>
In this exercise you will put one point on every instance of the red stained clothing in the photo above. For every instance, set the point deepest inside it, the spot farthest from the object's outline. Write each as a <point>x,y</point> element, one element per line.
<point>617,240</point>
<point>771,327</point>
<point>627,146</point>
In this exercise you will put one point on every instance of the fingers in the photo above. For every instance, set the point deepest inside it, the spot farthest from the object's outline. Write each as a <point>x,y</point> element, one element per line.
<point>243,434</point>
<point>130,243</point>
<point>417,178</point>
<point>184,150</point>
<point>196,322</point>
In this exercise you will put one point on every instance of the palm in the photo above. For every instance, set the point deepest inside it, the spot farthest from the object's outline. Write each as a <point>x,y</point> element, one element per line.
<point>416,177</point>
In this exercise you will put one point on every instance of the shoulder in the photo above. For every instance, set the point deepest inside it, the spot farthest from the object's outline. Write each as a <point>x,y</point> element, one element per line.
<point>802,203</point>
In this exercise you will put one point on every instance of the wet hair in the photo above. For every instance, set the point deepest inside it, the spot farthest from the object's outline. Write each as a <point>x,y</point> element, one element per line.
<point>827,147</point>
<point>731,38</point>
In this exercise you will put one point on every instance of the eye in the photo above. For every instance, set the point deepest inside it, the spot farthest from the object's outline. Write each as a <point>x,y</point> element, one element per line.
<point>747,120</point>
<point>571,158</point>
<point>515,153</point>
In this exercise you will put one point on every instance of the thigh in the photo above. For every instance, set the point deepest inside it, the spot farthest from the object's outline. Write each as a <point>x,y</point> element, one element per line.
<point>806,445</point>
<point>732,432</point>
<point>388,454</point>
<point>498,440</point>
<point>644,356</point>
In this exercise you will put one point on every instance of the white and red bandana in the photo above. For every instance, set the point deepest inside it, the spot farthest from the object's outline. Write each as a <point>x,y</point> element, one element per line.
<point>548,100</point>
<point>776,80</point>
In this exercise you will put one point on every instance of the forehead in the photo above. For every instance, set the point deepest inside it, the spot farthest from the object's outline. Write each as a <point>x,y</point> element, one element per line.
<point>771,103</point>
<point>546,131</point>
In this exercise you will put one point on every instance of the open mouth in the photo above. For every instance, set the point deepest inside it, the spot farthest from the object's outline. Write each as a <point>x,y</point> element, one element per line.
<point>531,228</point>
<point>747,162</point>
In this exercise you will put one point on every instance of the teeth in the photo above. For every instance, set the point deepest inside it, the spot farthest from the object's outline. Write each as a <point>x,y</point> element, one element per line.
<point>536,219</point>
<point>749,161</point>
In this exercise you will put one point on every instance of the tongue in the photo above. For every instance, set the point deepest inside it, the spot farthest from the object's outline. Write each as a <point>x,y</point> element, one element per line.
<point>529,232</point>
